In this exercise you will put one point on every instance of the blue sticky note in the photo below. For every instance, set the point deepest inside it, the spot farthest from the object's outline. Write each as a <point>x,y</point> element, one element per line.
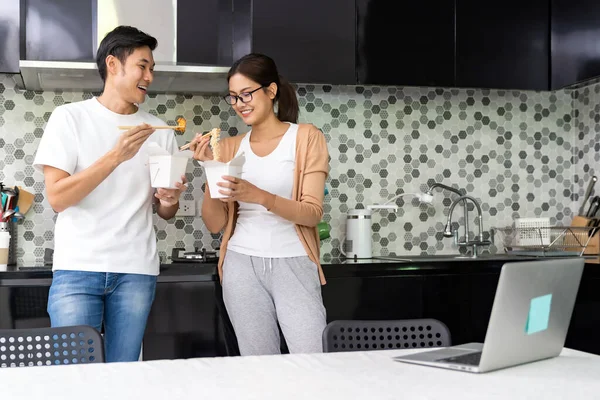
<point>539,314</point>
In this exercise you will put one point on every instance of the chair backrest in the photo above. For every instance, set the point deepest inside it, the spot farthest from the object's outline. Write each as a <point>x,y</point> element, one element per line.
<point>383,335</point>
<point>50,346</point>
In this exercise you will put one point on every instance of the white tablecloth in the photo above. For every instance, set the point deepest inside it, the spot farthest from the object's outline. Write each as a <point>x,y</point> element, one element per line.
<point>360,375</point>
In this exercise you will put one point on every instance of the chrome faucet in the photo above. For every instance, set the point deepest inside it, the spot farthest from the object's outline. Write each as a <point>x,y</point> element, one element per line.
<point>456,191</point>
<point>478,241</point>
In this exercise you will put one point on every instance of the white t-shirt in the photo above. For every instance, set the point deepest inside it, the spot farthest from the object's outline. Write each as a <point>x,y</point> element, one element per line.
<point>259,232</point>
<point>111,229</point>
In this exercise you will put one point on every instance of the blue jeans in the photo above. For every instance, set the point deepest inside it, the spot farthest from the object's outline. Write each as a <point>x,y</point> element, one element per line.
<point>122,301</point>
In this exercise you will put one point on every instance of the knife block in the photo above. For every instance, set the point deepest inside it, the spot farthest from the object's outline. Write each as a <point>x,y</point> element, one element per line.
<point>593,246</point>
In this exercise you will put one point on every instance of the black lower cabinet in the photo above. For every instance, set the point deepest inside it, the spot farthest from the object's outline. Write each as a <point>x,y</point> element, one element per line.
<point>24,307</point>
<point>354,298</point>
<point>445,298</point>
<point>481,298</point>
<point>188,318</point>
<point>585,321</point>
<point>184,322</point>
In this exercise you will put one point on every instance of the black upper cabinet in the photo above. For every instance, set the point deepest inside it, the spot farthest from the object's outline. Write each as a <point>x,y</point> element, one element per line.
<point>59,30</point>
<point>503,45</point>
<point>406,42</point>
<point>198,22</point>
<point>205,31</point>
<point>10,46</point>
<point>311,41</point>
<point>575,39</point>
<point>64,30</point>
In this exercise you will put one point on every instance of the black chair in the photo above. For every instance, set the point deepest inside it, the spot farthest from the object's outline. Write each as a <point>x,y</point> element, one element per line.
<point>385,335</point>
<point>50,346</point>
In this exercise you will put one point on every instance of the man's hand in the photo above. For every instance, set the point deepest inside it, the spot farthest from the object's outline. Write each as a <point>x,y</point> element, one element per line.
<point>131,141</point>
<point>170,197</point>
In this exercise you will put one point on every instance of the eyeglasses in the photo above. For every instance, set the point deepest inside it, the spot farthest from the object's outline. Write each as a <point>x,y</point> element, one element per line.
<point>245,97</point>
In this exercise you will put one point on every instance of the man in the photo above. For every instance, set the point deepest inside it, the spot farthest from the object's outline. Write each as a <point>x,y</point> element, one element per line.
<point>98,181</point>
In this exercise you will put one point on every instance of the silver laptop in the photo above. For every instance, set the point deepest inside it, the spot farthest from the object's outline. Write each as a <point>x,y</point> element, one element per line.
<point>529,321</point>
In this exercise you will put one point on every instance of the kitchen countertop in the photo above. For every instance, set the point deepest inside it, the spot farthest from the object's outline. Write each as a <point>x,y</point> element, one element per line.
<point>333,268</point>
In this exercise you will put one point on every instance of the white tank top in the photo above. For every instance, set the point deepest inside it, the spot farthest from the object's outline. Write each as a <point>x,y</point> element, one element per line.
<point>259,232</point>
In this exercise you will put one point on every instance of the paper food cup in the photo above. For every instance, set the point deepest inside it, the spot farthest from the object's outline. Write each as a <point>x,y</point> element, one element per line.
<point>166,169</point>
<point>215,170</point>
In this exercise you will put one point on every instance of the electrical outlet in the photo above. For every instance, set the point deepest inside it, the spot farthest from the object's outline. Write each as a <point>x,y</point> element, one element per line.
<point>187,208</point>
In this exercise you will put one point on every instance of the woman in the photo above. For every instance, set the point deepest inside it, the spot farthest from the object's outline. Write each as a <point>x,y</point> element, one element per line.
<point>269,257</point>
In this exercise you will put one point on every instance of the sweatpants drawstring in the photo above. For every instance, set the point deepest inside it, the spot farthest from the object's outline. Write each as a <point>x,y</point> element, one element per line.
<point>265,266</point>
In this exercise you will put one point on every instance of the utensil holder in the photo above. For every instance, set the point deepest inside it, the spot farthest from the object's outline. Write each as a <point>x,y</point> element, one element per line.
<point>592,250</point>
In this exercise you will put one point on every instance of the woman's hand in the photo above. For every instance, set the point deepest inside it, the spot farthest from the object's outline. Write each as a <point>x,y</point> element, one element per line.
<point>201,149</point>
<point>241,190</point>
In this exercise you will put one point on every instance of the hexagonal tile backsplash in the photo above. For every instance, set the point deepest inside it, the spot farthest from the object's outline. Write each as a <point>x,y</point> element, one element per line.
<point>519,153</point>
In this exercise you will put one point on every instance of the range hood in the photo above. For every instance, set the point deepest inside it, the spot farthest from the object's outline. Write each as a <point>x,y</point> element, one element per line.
<point>43,73</point>
<point>84,76</point>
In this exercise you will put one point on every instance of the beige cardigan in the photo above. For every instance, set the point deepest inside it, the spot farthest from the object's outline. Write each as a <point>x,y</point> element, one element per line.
<point>306,207</point>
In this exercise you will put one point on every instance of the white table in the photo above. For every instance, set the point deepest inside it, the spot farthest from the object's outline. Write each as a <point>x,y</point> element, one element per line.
<point>360,375</point>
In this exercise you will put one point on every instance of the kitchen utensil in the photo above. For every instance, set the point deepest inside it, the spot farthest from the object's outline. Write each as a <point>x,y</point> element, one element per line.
<point>10,200</point>
<point>589,210</point>
<point>594,205</point>
<point>17,215</point>
<point>187,146</point>
<point>593,223</point>
<point>587,194</point>
<point>180,127</point>
<point>25,200</point>
<point>7,215</point>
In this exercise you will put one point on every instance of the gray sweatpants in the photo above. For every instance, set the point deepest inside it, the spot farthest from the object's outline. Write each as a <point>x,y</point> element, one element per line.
<point>260,292</point>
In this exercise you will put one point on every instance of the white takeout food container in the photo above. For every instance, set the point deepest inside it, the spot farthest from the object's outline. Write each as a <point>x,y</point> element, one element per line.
<point>166,169</point>
<point>215,170</point>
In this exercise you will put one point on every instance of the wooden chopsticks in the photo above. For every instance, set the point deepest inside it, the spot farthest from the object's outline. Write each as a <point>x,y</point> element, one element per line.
<point>187,146</point>
<point>180,127</point>
<point>174,127</point>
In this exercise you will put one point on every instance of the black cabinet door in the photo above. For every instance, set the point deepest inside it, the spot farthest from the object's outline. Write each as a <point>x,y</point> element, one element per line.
<point>10,25</point>
<point>503,44</point>
<point>585,318</point>
<point>405,42</point>
<point>373,298</point>
<point>311,41</point>
<point>207,30</point>
<point>482,294</point>
<point>24,307</point>
<point>446,298</point>
<point>59,30</point>
<point>575,38</point>
<point>184,322</point>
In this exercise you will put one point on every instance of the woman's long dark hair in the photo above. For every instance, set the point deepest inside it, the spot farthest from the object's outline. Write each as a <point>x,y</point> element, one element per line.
<point>262,70</point>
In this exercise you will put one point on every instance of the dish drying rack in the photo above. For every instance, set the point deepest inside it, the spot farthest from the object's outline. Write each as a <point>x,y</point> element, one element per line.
<point>546,240</point>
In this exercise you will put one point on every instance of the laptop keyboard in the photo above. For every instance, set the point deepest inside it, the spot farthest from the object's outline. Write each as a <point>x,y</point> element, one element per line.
<point>467,359</point>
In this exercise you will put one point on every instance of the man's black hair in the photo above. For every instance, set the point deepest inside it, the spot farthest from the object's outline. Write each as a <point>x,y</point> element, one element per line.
<point>121,42</point>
